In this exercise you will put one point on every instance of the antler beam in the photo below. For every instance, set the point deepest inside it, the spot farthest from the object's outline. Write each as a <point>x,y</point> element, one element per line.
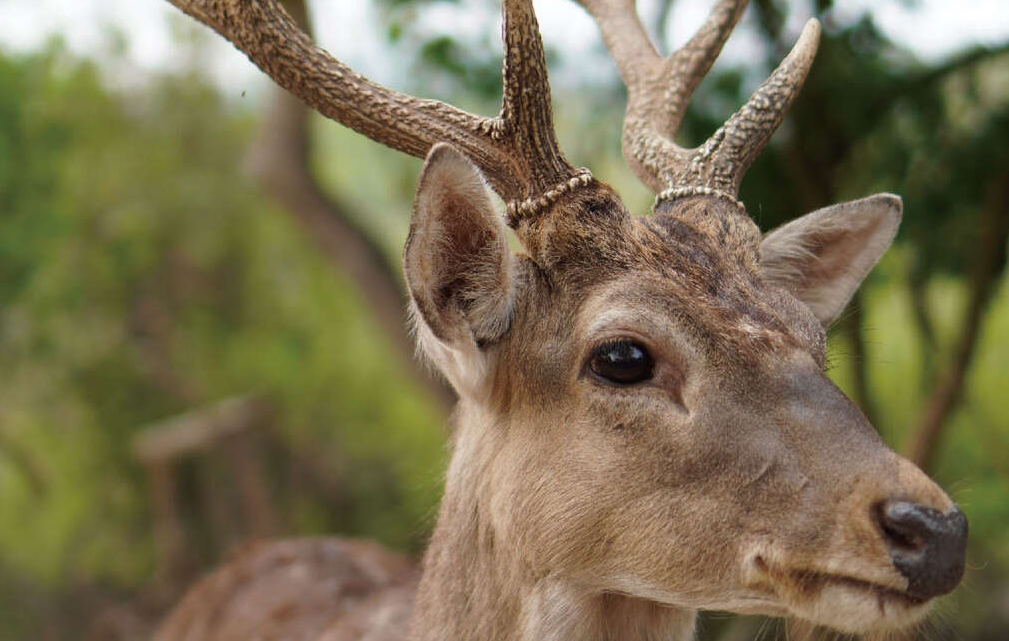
<point>659,89</point>
<point>517,151</point>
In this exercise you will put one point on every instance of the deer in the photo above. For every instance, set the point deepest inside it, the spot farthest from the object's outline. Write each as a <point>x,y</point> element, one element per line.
<point>644,428</point>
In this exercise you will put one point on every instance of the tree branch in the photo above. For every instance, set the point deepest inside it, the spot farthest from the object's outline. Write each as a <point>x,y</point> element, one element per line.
<point>989,263</point>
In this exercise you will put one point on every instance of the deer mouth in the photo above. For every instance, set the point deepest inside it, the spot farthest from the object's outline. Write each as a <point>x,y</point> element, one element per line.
<point>846,603</point>
<point>815,583</point>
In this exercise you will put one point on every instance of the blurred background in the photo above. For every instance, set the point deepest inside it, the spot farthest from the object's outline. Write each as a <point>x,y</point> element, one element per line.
<point>201,310</point>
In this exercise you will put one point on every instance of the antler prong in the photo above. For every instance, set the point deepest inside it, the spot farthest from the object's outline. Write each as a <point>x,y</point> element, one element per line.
<point>517,151</point>
<point>659,89</point>
<point>526,113</point>
<point>735,146</point>
<point>686,68</point>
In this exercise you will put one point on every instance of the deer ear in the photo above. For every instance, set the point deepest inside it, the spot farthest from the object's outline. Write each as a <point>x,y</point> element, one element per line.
<point>822,257</point>
<point>456,261</point>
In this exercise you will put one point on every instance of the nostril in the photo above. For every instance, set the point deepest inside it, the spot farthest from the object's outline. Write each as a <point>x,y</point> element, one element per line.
<point>926,546</point>
<point>902,540</point>
<point>905,526</point>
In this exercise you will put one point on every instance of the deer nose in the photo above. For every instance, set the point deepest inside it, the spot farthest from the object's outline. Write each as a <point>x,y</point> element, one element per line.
<point>926,546</point>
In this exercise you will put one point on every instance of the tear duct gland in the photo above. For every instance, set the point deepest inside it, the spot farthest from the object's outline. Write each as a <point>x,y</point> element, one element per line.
<point>580,503</point>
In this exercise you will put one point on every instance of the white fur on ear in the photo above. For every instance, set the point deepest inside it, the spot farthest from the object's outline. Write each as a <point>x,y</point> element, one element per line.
<point>457,266</point>
<point>823,256</point>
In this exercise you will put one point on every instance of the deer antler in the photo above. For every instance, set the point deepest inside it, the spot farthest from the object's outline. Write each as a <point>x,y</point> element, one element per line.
<point>517,151</point>
<point>659,89</point>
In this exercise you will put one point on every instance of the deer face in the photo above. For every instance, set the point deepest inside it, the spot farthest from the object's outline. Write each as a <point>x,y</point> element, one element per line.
<point>651,410</point>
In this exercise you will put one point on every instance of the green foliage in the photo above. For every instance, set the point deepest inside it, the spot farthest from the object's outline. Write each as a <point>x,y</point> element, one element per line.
<point>143,275</point>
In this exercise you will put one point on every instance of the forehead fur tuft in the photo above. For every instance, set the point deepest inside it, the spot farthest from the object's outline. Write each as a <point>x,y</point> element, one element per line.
<point>726,225</point>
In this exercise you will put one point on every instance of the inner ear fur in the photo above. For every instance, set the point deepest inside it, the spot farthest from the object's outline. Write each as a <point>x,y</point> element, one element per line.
<point>823,256</point>
<point>456,258</point>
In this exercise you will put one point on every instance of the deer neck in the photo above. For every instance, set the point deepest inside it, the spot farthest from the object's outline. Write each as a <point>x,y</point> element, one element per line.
<point>478,586</point>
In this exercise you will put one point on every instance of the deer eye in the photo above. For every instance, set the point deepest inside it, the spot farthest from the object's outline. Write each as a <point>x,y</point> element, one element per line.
<point>623,361</point>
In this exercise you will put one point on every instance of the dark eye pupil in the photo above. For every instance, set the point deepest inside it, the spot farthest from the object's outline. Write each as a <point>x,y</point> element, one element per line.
<point>623,361</point>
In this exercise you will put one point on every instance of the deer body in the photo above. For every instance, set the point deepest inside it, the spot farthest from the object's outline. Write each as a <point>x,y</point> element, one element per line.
<point>644,428</point>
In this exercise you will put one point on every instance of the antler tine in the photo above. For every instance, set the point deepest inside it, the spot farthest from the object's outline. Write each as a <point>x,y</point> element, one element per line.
<point>686,68</point>
<point>659,90</point>
<point>526,113</point>
<point>722,161</point>
<point>517,151</point>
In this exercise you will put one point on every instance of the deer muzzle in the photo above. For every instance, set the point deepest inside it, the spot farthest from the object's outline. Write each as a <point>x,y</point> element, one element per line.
<point>926,546</point>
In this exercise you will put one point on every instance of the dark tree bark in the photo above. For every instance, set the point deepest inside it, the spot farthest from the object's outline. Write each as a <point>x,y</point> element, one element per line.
<point>853,322</point>
<point>923,319</point>
<point>279,157</point>
<point>989,264</point>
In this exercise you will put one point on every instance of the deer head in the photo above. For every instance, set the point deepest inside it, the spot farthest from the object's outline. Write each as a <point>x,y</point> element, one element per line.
<point>643,409</point>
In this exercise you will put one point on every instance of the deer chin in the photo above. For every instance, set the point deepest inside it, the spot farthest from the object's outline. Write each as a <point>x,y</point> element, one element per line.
<point>845,603</point>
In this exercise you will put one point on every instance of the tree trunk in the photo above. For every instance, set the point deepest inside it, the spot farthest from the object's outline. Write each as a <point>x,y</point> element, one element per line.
<point>853,322</point>
<point>926,328</point>
<point>989,263</point>
<point>279,157</point>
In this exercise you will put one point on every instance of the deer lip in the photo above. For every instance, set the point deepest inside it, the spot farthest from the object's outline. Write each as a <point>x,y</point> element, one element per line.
<point>815,580</point>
